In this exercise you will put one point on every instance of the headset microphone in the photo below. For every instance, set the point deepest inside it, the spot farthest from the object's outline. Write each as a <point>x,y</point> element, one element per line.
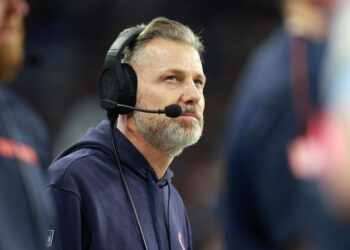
<point>172,110</point>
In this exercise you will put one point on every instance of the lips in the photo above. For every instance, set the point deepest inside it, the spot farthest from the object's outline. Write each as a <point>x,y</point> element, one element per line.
<point>190,111</point>
<point>191,115</point>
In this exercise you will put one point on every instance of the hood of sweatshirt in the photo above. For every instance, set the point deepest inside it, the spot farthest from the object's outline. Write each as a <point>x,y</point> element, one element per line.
<point>100,138</point>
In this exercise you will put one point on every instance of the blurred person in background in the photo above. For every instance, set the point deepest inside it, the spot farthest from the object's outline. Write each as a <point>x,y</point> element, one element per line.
<point>106,204</point>
<point>24,145</point>
<point>267,207</point>
<point>323,153</point>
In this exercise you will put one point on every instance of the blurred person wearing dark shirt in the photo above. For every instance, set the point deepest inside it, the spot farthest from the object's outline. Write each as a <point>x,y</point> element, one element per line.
<point>267,207</point>
<point>322,154</point>
<point>24,209</point>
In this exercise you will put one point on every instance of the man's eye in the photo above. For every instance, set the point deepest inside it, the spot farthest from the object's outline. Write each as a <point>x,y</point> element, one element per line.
<point>198,82</point>
<point>171,78</point>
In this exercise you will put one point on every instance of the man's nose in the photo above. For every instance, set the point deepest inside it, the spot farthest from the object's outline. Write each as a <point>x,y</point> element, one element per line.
<point>192,94</point>
<point>17,7</point>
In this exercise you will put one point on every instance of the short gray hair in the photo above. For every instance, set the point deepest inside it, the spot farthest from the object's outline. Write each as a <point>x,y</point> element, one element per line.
<point>165,28</point>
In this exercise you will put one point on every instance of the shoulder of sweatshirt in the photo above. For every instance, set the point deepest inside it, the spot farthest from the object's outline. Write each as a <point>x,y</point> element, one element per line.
<point>67,172</point>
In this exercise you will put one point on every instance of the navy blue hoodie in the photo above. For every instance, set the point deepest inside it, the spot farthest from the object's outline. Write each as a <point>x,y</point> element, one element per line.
<point>92,207</point>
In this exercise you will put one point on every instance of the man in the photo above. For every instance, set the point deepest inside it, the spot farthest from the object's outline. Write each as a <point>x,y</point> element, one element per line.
<point>267,207</point>
<point>24,210</point>
<point>93,205</point>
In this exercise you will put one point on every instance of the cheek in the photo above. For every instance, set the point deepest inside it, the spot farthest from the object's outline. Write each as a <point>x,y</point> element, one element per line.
<point>202,104</point>
<point>151,98</point>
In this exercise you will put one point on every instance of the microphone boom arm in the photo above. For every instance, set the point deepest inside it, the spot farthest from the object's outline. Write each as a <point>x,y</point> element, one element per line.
<point>159,111</point>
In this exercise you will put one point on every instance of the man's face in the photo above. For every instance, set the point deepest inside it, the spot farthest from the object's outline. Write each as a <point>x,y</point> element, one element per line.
<point>11,36</point>
<point>170,72</point>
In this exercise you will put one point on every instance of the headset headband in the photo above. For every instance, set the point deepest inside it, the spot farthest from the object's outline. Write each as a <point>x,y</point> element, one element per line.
<point>118,47</point>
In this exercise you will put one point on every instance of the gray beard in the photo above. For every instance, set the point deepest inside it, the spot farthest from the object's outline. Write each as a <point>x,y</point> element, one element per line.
<point>166,134</point>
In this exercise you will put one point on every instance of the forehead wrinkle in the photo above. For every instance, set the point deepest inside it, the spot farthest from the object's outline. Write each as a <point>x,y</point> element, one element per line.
<point>158,51</point>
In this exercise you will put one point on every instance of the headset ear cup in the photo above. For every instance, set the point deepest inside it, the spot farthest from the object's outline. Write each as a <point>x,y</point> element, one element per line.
<point>118,82</point>
<point>108,85</point>
<point>131,81</point>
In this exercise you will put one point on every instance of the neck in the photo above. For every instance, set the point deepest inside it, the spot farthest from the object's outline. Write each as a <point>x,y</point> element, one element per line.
<point>158,160</point>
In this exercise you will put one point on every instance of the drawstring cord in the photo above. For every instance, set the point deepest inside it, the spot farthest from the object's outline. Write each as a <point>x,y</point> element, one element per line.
<point>170,245</point>
<point>153,208</point>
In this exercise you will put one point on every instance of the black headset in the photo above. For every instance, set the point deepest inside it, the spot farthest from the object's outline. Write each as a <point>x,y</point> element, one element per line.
<point>118,82</point>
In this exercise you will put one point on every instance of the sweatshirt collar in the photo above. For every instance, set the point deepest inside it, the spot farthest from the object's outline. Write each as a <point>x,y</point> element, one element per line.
<point>133,159</point>
<point>100,138</point>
